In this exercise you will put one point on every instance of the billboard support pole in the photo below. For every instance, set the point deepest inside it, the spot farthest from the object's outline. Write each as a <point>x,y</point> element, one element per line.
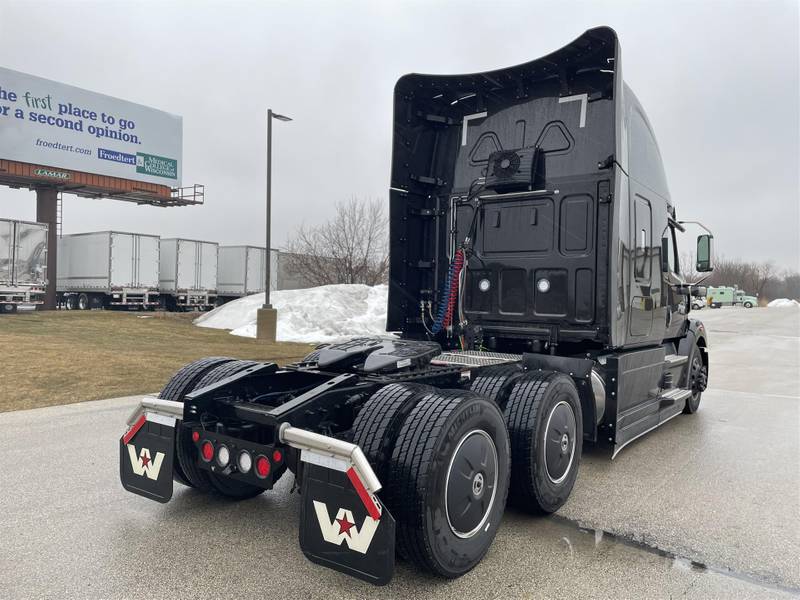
<point>47,212</point>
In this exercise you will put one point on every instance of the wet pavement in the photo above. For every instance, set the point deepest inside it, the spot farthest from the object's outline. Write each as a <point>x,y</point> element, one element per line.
<point>706,506</point>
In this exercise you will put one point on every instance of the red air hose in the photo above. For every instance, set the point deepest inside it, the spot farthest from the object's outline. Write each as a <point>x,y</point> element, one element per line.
<point>458,263</point>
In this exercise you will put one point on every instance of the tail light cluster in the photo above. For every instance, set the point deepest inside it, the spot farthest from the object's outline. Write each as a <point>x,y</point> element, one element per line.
<point>229,455</point>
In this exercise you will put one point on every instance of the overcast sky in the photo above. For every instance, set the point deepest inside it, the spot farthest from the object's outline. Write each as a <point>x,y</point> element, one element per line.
<point>719,81</point>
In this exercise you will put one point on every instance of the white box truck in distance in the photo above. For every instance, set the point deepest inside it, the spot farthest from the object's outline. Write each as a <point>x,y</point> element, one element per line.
<point>240,271</point>
<point>188,274</point>
<point>107,269</point>
<point>23,264</point>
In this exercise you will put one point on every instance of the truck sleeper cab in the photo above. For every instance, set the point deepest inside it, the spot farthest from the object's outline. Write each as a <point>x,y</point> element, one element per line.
<point>535,285</point>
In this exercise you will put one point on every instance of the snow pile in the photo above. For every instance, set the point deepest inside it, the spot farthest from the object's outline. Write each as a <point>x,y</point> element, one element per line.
<point>315,315</point>
<point>783,303</point>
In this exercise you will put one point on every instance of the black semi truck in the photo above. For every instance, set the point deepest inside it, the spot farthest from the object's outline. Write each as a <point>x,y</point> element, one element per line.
<point>537,302</point>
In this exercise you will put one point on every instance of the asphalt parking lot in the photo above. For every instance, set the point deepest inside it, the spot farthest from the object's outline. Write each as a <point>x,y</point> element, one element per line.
<point>705,506</point>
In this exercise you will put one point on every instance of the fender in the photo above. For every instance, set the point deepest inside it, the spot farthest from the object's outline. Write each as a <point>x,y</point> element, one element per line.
<point>696,336</point>
<point>580,369</point>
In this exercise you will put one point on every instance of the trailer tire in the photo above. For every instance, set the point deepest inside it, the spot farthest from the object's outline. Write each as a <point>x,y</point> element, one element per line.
<point>181,384</point>
<point>544,467</point>
<point>379,421</point>
<point>497,382</point>
<point>83,302</point>
<point>440,528</point>
<point>69,302</point>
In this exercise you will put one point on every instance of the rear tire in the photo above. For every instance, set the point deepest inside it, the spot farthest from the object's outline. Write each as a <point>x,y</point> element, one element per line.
<point>497,382</point>
<point>181,384</point>
<point>545,425</point>
<point>448,481</point>
<point>69,302</point>
<point>378,423</point>
<point>83,302</point>
<point>187,455</point>
<point>8,309</point>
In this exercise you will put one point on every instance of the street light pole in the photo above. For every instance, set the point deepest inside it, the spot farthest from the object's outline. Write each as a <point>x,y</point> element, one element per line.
<point>268,260</point>
<point>266,324</point>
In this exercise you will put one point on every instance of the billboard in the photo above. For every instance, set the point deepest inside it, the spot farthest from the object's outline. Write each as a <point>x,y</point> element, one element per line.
<point>49,123</point>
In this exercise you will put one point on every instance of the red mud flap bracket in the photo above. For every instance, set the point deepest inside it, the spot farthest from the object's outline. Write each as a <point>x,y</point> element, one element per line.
<point>343,525</point>
<point>147,449</point>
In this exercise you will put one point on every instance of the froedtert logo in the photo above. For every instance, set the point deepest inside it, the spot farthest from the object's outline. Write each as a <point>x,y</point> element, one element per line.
<point>150,164</point>
<point>343,528</point>
<point>113,155</point>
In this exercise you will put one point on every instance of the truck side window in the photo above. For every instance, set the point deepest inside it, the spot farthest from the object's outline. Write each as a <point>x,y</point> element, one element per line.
<point>645,158</point>
<point>643,233</point>
<point>676,263</point>
<point>669,256</point>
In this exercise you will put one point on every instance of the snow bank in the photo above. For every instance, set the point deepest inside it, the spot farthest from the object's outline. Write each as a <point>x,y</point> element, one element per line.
<point>315,315</point>
<point>783,303</point>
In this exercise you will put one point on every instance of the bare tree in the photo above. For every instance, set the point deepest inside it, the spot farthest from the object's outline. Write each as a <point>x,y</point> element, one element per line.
<point>689,267</point>
<point>350,248</point>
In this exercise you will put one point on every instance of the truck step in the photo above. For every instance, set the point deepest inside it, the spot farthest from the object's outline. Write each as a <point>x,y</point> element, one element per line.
<point>673,396</point>
<point>674,360</point>
<point>474,358</point>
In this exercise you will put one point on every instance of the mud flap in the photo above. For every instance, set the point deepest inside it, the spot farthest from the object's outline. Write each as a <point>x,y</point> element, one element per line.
<point>337,531</point>
<point>146,455</point>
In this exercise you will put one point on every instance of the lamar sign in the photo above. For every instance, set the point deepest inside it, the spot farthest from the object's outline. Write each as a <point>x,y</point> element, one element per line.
<point>50,123</point>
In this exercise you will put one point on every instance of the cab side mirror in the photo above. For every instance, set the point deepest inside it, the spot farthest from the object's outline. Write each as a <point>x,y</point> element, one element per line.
<point>705,250</point>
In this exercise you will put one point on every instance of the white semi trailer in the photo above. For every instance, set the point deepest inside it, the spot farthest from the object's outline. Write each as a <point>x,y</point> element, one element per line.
<point>108,269</point>
<point>23,264</point>
<point>188,274</point>
<point>240,271</point>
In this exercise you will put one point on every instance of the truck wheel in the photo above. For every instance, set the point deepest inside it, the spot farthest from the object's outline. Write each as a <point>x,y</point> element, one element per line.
<point>8,308</point>
<point>496,382</point>
<point>448,481</point>
<point>83,302</point>
<point>378,422</point>
<point>69,302</point>
<point>545,424</point>
<point>181,384</point>
<point>187,455</point>
<point>698,379</point>
<point>748,305</point>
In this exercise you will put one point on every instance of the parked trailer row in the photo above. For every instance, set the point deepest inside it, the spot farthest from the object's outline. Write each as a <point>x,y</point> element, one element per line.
<point>113,269</point>
<point>23,264</point>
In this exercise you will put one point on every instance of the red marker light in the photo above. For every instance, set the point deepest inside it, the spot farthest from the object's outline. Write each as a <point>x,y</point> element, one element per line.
<point>277,456</point>
<point>195,436</point>
<point>262,466</point>
<point>207,451</point>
